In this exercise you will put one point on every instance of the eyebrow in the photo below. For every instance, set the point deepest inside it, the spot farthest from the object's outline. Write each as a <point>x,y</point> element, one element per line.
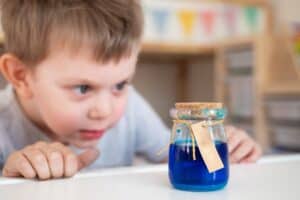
<point>91,82</point>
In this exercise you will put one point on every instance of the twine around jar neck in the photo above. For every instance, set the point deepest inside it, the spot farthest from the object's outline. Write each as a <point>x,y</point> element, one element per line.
<point>188,123</point>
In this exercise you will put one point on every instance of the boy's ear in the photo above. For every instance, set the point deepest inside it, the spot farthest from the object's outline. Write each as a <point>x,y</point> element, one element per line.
<point>16,72</point>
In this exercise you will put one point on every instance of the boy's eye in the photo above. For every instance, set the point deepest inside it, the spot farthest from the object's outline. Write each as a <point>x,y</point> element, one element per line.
<point>82,89</point>
<point>120,86</point>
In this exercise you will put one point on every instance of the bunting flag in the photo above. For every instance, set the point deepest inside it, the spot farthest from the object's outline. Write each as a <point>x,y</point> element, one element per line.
<point>207,18</point>
<point>296,39</point>
<point>295,30</point>
<point>251,15</point>
<point>187,19</point>
<point>297,47</point>
<point>230,19</point>
<point>297,51</point>
<point>160,17</point>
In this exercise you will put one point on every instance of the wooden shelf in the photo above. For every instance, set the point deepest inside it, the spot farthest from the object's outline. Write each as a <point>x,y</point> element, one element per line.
<point>283,73</point>
<point>1,37</point>
<point>288,88</point>
<point>172,48</point>
<point>237,42</point>
<point>194,49</point>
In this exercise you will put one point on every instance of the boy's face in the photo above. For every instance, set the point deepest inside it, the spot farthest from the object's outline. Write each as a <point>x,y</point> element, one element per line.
<point>77,99</point>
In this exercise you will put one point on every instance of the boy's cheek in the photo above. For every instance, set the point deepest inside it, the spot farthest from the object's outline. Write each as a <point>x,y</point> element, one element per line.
<point>119,112</point>
<point>61,120</point>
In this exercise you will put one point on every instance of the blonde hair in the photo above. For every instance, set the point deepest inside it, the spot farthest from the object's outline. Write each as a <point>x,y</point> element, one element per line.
<point>110,28</point>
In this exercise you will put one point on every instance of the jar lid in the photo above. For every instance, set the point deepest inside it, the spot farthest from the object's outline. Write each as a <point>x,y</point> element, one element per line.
<point>199,105</point>
<point>197,111</point>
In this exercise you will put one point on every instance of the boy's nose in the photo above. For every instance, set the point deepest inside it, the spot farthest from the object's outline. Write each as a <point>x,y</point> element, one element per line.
<point>96,114</point>
<point>100,111</point>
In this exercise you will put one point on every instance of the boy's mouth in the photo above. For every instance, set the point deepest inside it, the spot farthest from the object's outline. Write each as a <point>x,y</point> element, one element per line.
<point>91,134</point>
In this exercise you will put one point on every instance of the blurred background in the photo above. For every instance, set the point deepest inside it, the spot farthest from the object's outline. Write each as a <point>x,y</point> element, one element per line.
<point>245,53</point>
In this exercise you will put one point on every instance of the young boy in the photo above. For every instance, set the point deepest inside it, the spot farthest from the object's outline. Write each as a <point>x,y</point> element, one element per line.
<point>69,64</point>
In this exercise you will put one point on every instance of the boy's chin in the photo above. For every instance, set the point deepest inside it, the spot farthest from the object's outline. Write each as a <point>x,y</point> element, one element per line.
<point>86,144</point>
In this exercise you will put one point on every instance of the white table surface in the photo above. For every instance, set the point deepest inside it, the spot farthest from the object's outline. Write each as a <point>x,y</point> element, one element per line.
<point>274,178</point>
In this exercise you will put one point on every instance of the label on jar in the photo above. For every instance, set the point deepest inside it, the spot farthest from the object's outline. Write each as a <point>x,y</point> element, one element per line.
<point>207,147</point>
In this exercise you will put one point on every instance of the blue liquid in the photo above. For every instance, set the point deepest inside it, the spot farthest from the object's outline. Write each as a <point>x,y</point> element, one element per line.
<point>192,175</point>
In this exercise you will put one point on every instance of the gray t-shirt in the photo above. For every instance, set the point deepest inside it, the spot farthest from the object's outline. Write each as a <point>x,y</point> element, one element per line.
<point>140,130</point>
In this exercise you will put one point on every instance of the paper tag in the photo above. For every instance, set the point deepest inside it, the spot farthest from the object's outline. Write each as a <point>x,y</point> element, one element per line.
<point>207,147</point>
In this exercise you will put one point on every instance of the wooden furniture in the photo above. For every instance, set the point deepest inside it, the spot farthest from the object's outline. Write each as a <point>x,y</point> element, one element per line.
<point>260,45</point>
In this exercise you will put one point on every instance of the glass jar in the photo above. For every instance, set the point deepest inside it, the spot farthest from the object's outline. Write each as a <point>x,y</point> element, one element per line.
<point>187,168</point>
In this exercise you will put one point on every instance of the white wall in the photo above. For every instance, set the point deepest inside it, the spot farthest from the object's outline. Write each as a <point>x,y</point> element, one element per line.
<point>157,80</point>
<point>287,10</point>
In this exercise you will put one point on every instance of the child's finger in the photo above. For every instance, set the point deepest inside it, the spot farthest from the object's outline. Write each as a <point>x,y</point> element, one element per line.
<point>38,161</point>
<point>241,151</point>
<point>17,165</point>
<point>229,130</point>
<point>25,168</point>
<point>254,155</point>
<point>70,159</point>
<point>87,157</point>
<point>234,141</point>
<point>55,161</point>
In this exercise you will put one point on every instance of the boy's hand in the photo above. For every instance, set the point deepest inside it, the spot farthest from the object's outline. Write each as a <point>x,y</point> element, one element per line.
<point>45,161</point>
<point>242,148</point>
